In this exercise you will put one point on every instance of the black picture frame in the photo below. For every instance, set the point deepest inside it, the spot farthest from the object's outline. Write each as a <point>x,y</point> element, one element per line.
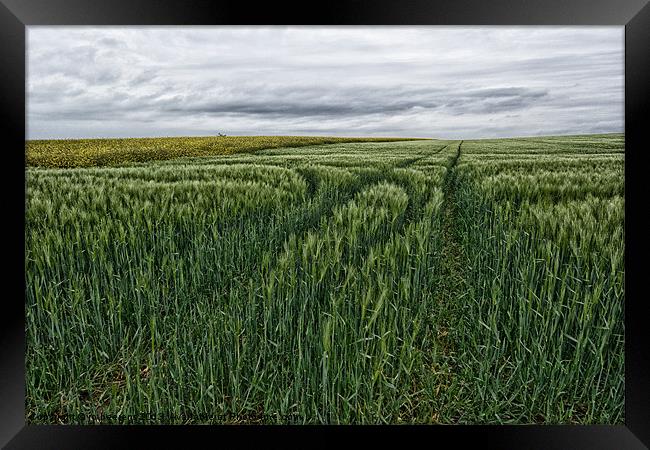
<point>15,15</point>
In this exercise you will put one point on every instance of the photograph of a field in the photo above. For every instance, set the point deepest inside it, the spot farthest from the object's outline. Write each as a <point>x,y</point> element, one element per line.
<point>323,225</point>
<point>415,281</point>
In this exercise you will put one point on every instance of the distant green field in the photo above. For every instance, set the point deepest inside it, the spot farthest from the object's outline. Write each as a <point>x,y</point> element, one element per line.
<point>425,281</point>
<point>109,152</point>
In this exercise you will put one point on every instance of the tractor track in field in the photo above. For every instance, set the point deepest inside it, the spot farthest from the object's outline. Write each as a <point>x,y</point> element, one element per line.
<point>409,162</point>
<point>451,291</point>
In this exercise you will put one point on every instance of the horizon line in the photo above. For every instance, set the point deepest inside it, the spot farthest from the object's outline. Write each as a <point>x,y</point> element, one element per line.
<point>329,136</point>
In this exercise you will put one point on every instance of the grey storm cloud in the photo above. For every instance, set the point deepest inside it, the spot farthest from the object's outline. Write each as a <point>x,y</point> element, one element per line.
<point>447,82</point>
<point>319,101</point>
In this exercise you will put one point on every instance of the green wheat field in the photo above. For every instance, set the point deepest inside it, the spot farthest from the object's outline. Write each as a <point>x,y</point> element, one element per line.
<point>325,280</point>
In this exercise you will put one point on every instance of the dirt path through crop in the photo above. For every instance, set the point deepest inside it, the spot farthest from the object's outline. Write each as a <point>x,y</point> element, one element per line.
<point>451,292</point>
<point>411,161</point>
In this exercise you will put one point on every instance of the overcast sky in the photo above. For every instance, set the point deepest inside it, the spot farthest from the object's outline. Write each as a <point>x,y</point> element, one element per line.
<point>445,82</point>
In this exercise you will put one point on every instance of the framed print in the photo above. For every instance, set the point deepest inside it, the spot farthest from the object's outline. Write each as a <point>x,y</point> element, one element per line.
<point>374,219</point>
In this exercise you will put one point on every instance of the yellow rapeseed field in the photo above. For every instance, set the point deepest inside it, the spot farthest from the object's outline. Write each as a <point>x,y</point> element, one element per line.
<point>110,152</point>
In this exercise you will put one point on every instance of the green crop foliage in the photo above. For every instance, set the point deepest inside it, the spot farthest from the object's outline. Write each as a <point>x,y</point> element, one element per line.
<point>421,281</point>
